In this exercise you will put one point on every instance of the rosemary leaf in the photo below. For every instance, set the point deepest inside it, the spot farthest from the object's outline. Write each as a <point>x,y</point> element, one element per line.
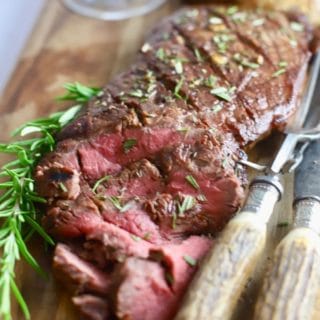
<point>192,181</point>
<point>190,261</point>
<point>18,211</point>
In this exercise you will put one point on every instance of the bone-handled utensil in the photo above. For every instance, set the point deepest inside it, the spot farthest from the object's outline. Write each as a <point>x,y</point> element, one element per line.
<point>292,283</point>
<point>217,286</point>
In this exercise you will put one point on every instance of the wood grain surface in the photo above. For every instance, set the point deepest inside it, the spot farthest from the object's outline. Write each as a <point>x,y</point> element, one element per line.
<point>67,47</point>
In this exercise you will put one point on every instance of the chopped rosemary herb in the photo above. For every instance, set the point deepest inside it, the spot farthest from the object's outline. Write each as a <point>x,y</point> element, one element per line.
<point>160,54</point>
<point>223,93</point>
<point>129,144</point>
<point>190,261</point>
<point>239,17</point>
<point>198,55</point>
<point>225,163</point>
<point>126,207</point>
<point>279,72</point>
<point>216,108</point>
<point>258,22</point>
<point>138,93</point>
<point>192,181</point>
<point>62,187</point>
<point>98,182</point>
<point>215,20</point>
<point>178,87</point>
<point>296,26</point>
<point>283,64</point>
<point>232,10</point>
<point>116,202</point>
<point>184,130</point>
<point>79,93</point>
<point>178,66</point>
<point>187,203</point>
<point>210,81</point>
<point>201,197</point>
<point>245,62</point>
<point>293,43</point>
<point>174,220</point>
<point>221,41</point>
<point>135,238</point>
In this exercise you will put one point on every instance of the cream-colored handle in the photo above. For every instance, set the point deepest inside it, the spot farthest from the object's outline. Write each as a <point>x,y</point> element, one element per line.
<point>216,288</point>
<point>226,270</point>
<point>291,286</point>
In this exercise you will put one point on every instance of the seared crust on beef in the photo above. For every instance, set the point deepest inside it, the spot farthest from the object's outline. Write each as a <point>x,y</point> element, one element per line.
<point>150,164</point>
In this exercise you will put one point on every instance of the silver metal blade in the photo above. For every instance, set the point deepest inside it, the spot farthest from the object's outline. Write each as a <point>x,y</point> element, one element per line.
<point>291,139</point>
<point>308,173</point>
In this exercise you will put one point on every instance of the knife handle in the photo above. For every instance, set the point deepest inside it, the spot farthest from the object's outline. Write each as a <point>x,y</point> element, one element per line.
<point>217,286</point>
<point>292,283</point>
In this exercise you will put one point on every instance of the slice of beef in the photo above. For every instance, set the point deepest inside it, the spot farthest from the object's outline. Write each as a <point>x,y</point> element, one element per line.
<point>91,307</point>
<point>158,288</point>
<point>152,161</point>
<point>79,275</point>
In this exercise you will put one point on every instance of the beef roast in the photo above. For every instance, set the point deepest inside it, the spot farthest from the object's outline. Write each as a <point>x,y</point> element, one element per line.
<point>147,173</point>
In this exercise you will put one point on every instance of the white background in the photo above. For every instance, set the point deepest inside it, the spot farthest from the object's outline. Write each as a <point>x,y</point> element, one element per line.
<point>17,18</point>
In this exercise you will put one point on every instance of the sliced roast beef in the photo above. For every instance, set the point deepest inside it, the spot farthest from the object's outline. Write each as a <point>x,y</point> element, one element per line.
<point>91,307</point>
<point>143,178</point>
<point>79,275</point>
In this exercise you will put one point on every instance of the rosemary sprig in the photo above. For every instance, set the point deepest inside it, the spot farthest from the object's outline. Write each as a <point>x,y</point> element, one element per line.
<point>18,199</point>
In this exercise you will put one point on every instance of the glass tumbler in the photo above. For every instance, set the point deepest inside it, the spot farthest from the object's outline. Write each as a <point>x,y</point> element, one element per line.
<point>112,9</point>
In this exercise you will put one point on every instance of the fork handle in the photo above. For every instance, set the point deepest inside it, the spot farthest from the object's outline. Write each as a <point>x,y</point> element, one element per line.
<point>292,284</point>
<point>217,286</point>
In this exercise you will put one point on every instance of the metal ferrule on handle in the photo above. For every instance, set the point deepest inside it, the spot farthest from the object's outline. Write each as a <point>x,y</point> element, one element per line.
<point>264,193</point>
<point>217,286</point>
<point>307,213</point>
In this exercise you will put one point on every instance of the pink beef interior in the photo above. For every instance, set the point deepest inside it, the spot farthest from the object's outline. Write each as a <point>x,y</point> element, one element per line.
<point>145,176</point>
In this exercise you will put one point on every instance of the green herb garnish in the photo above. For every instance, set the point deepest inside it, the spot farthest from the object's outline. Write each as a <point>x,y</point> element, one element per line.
<point>210,81</point>
<point>192,181</point>
<point>178,87</point>
<point>198,55</point>
<point>190,261</point>
<point>296,26</point>
<point>79,93</point>
<point>178,66</point>
<point>187,204</point>
<point>115,200</point>
<point>129,144</point>
<point>160,54</point>
<point>258,22</point>
<point>97,184</point>
<point>135,238</point>
<point>215,20</point>
<point>245,62</point>
<point>18,213</point>
<point>217,108</point>
<point>62,187</point>
<point>138,93</point>
<point>223,93</point>
<point>232,10</point>
<point>279,72</point>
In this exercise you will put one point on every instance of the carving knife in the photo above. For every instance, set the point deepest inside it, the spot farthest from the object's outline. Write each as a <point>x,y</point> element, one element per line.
<point>292,283</point>
<point>218,284</point>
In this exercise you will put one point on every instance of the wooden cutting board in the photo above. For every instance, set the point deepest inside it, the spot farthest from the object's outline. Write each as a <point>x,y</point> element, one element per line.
<point>67,47</point>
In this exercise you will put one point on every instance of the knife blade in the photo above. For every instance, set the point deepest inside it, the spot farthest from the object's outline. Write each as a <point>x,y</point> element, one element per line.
<point>307,175</point>
<point>216,288</point>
